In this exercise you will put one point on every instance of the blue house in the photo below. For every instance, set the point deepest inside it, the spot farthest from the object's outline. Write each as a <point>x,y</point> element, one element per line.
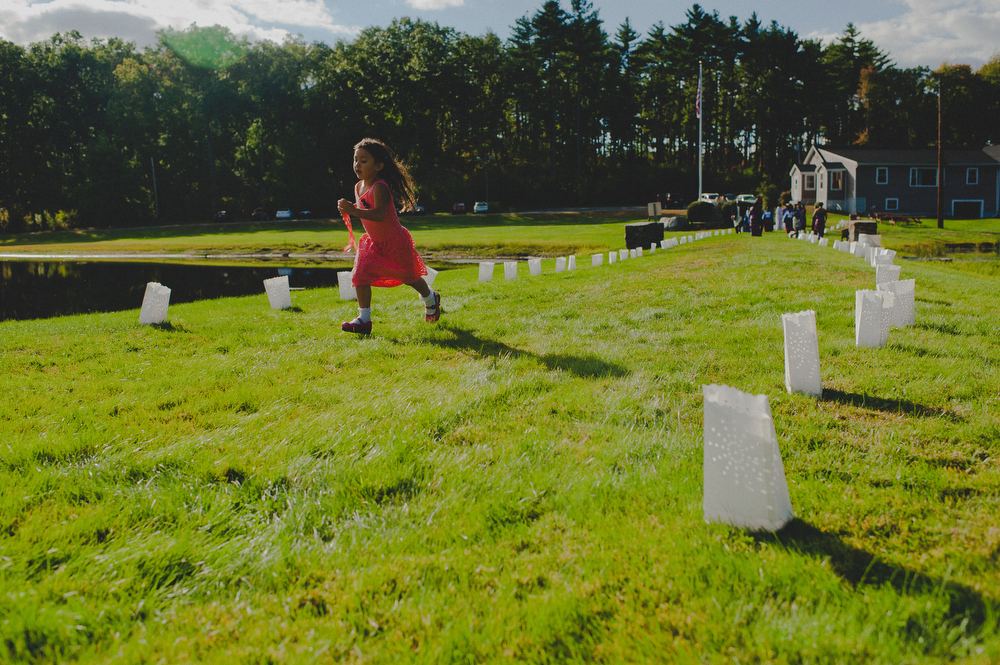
<point>866,180</point>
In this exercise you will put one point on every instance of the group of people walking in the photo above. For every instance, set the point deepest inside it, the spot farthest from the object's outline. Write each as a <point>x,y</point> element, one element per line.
<point>792,217</point>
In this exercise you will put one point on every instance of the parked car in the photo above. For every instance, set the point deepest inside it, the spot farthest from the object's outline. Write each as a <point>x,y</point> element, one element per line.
<point>746,198</point>
<point>416,210</point>
<point>709,197</point>
<point>305,214</point>
<point>222,216</point>
<point>458,209</point>
<point>285,213</point>
<point>481,206</point>
<point>259,215</point>
<point>670,202</point>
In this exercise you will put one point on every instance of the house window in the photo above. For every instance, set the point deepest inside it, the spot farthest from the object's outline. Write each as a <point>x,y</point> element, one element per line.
<point>836,180</point>
<point>972,176</point>
<point>882,175</point>
<point>892,204</point>
<point>810,182</point>
<point>923,177</point>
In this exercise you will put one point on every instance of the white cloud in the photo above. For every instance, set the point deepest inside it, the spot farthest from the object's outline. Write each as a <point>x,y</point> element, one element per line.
<point>25,21</point>
<point>930,32</point>
<point>434,4</point>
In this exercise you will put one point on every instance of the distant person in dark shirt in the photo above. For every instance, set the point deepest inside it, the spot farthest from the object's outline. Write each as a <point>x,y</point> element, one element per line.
<point>819,220</point>
<point>800,218</point>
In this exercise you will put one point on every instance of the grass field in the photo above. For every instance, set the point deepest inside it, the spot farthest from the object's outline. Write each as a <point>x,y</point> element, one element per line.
<point>507,235</point>
<point>458,235</point>
<point>521,481</point>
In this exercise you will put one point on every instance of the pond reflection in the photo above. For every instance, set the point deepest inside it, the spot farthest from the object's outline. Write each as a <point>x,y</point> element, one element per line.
<point>43,289</point>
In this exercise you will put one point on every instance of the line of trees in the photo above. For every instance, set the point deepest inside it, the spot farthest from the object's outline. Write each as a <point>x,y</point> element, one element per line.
<point>563,113</point>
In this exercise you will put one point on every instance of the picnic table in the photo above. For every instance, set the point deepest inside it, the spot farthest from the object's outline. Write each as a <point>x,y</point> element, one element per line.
<point>895,218</point>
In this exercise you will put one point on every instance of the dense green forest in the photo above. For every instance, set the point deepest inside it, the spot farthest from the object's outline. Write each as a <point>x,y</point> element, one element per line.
<point>562,113</point>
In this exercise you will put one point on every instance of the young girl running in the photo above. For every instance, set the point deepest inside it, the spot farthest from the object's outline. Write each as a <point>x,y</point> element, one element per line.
<point>386,253</point>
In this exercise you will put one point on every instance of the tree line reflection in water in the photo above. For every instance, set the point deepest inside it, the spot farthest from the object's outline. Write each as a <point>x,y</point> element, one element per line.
<point>44,289</point>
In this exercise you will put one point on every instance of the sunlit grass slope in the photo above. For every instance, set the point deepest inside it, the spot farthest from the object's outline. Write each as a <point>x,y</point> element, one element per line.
<point>521,481</point>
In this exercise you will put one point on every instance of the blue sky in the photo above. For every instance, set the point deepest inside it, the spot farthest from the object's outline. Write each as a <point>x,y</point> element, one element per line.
<point>913,32</point>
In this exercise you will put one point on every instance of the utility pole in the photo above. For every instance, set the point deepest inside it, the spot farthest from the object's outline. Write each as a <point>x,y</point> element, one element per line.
<point>156,196</point>
<point>701,150</point>
<point>940,167</point>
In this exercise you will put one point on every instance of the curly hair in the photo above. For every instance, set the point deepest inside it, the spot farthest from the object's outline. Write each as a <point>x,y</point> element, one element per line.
<point>394,172</point>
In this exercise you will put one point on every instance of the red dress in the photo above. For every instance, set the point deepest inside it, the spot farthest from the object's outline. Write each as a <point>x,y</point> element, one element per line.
<point>386,253</point>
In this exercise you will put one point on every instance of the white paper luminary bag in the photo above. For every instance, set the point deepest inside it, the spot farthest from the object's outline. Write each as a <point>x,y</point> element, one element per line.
<point>868,318</point>
<point>534,267</point>
<point>903,305</point>
<point>510,269</point>
<point>597,260</point>
<point>802,373</point>
<point>884,274</point>
<point>571,263</point>
<point>744,478</point>
<point>155,302</point>
<point>347,290</point>
<point>612,257</point>
<point>430,276</point>
<point>485,271</point>
<point>888,304</point>
<point>560,263</point>
<point>278,294</point>
<point>622,254</point>
<point>870,239</point>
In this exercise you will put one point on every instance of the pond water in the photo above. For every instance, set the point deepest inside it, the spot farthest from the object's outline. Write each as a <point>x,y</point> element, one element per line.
<point>43,289</point>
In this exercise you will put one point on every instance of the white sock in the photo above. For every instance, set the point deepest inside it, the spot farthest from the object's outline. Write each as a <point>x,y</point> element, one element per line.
<point>429,300</point>
<point>365,314</point>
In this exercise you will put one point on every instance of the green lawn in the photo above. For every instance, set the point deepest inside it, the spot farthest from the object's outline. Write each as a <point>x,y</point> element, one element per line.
<point>519,482</point>
<point>457,235</point>
<point>510,235</point>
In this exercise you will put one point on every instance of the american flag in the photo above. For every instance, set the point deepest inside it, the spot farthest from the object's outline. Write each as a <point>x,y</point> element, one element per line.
<point>697,100</point>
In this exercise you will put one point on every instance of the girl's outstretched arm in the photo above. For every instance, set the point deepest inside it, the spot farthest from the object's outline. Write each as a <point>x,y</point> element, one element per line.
<point>378,211</point>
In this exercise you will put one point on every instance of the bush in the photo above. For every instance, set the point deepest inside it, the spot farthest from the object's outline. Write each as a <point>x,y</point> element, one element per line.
<point>786,197</point>
<point>700,212</point>
<point>771,194</point>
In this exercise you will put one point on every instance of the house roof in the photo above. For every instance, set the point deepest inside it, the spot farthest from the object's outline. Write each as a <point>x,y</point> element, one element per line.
<point>913,156</point>
<point>834,166</point>
<point>806,168</point>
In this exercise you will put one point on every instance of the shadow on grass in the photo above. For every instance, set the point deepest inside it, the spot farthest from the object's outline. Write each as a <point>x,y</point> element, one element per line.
<point>946,328</point>
<point>934,302</point>
<point>166,326</point>
<point>861,568</point>
<point>588,367</point>
<point>886,405</point>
